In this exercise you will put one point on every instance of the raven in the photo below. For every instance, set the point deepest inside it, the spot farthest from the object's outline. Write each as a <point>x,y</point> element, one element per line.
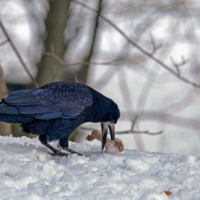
<point>54,110</point>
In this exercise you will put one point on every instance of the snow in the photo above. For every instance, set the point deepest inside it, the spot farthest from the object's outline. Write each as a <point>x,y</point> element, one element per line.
<point>28,171</point>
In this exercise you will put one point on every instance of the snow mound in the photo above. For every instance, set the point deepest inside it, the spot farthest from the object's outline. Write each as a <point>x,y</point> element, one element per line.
<point>28,171</point>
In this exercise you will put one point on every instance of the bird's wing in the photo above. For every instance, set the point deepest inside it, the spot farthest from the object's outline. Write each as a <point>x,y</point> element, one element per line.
<point>52,101</point>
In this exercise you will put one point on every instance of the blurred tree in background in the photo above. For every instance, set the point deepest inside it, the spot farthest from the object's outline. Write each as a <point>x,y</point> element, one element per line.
<point>142,54</point>
<point>55,24</point>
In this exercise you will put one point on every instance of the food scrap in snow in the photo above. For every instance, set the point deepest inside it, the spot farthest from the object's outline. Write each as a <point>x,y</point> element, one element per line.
<point>112,147</point>
<point>168,192</point>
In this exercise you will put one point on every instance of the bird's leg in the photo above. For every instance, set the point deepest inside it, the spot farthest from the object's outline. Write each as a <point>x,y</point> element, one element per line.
<point>64,144</point>
<point>43,140</point>
<point>55,151</point>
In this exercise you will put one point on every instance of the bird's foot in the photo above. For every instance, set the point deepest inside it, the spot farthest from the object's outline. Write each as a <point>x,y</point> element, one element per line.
<point>55,151</point>
<point>72,151</point>
<point>59,153</point>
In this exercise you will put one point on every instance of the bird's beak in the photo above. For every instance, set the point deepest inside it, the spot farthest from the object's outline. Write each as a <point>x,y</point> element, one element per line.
<point>111,126</point>
<point>104,129</point>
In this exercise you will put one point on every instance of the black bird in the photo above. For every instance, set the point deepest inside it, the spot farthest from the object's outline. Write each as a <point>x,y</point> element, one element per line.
<point>56,109</point>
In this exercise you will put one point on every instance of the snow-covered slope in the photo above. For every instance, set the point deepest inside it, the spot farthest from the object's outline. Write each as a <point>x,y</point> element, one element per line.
<point>28,171</point>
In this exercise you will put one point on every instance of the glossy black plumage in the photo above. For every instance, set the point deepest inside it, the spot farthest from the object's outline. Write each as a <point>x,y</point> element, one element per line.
<point>56,109</point>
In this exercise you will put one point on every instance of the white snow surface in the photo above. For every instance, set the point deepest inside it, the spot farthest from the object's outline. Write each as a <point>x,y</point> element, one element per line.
<point>28,171</point>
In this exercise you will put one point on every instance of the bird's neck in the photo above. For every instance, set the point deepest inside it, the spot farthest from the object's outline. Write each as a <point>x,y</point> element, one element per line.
<point>101,104</point>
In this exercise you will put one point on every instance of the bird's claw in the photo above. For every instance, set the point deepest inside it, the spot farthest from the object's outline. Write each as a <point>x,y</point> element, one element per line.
<point>72,151</point>
<point>58,153</point>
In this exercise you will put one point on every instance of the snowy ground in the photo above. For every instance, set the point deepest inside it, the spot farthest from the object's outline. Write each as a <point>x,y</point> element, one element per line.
<point>28,171</point>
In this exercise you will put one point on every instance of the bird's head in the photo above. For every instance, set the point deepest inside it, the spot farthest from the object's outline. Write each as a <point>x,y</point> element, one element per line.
<point>110,118</point>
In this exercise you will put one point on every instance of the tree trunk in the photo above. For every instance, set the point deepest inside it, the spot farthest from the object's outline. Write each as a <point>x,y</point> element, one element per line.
<point>5,128</point>
<point>55,25</point>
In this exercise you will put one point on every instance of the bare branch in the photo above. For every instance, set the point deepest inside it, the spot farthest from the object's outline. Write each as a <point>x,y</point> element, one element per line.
<point>78,63</point>
<point>52,54</point>
<point>134,121</point>
<point>159,46</point>
<point>137,46</point>
<point>155,48</point>
<point>18,54</point>
<point>129,131</point>
<point>152,40</point>
<point>184,61</point>
<point>52,48</point>
<point>177,65</point>
<point>2,43</point>
<point>76,78</point>
<point>139,132</point>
